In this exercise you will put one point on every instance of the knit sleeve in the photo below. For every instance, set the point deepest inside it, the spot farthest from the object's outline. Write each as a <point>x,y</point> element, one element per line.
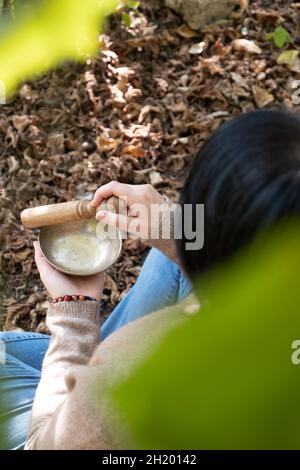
<point>74,328</point>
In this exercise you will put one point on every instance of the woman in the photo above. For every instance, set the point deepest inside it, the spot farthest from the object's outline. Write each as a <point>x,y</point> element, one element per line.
<point>248,177</point>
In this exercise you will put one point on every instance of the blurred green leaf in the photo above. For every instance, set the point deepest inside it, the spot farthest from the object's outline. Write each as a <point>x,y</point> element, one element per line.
<point>126,19</point>
<point>280,37</point>
<point>132,4</point>
<point>49,33</point>
<point>225,379</point>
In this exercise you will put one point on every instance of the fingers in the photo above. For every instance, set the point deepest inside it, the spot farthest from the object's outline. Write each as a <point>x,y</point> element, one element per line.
<point>114,188</point>
<point>41,262</point>
<point>38,255</point>
<point>120,221</point>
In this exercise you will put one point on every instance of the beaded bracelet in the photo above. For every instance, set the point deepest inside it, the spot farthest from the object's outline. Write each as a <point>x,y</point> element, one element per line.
<point>73,298</point>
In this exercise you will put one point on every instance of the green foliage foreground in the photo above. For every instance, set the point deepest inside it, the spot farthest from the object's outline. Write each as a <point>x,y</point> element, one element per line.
<point>225,379</point>
<point>46,34</point>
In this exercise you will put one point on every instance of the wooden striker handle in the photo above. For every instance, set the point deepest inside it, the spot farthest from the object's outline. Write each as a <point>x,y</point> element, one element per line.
<point>65,212</point>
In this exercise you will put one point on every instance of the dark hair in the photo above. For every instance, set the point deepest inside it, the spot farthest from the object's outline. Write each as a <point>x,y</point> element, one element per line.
<point>248,177</point>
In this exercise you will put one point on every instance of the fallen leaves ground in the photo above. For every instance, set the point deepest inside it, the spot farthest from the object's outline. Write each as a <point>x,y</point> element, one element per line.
<point>136,113</point>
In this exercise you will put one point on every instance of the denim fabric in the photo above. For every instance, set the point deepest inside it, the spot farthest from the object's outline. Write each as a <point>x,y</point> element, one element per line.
<point>160,284</point>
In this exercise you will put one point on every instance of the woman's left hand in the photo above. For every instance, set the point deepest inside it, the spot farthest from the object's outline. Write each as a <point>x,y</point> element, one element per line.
<point>59,284</point>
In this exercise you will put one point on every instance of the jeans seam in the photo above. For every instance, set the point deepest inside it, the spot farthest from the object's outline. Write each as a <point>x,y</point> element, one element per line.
<point>184,289</point>
<point>22,364</point>
<point>173,295</point>
<point>25,338</point>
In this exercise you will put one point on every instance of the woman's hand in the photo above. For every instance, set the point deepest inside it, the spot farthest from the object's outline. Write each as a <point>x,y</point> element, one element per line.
<point>59,284</point>
<point>143,201</point>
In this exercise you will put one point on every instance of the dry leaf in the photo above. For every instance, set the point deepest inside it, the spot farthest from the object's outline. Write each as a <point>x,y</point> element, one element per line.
<point>56,143</point>
<point>244,45</point>
<point>135,246</point>
<point>21,122</point>
<point>212,65</point>
<point>21,255</point>
<point>14,312</point>
<point>145,111</point>
<point>134,151</point>
<point>262,97</point>
<point>105,143</point>
<point>111,286</point>
<point>244,5</point>
<point>155,178</point>
<point>291,59</point>
<point>180,107</point>
<point>271,16</point>
<point>13,164</point>
<point>185,32</point>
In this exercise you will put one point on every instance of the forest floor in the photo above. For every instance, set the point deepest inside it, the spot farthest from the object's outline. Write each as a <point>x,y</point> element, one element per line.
<point>136,113</point>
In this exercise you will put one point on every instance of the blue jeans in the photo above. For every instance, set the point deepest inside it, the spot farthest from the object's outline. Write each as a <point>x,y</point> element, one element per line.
<point>159,285</point>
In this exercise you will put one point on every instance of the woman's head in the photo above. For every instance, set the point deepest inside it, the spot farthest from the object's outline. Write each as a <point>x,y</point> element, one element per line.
<point>248,177</point>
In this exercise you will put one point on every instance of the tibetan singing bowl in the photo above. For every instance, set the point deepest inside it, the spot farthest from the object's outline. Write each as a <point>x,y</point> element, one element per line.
<point>71,238</point>
<point>80,248</point>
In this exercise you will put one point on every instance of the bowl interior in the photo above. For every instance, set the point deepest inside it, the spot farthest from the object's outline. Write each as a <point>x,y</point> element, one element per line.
<point>80,248</point>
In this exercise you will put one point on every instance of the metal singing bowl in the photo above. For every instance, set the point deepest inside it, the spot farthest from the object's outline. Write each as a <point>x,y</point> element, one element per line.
<point>80,248</point>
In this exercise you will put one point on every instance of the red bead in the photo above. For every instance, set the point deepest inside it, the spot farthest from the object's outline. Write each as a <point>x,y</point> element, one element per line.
<point>75,297</point>
<point>67,298</point>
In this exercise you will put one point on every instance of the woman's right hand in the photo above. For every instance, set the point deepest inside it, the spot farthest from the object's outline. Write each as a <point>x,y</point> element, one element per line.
<point>142,202</point>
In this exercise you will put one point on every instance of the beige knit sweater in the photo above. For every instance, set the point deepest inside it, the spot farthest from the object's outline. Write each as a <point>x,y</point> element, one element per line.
<point>72,407</point>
